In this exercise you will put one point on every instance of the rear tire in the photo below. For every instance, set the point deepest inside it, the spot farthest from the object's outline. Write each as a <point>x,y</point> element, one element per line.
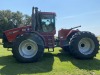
<point>84,45</point>
<point>65,48</point>
<point>27,50</point>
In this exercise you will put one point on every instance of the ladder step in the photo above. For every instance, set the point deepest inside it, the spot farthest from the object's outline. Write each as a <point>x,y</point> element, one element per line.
<point>50,43</point>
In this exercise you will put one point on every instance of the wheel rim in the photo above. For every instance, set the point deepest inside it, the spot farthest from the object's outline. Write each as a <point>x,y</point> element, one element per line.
<point>28,48</point>
<point>86,46</point>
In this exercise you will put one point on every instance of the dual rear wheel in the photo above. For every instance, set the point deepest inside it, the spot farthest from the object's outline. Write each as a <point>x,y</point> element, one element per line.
<point>83,45</point>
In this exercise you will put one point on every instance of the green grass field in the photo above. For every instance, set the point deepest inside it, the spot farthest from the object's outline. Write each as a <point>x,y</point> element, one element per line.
<point>52,63</point>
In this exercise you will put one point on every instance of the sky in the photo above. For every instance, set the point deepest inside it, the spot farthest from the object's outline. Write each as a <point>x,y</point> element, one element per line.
<point>70,13</point>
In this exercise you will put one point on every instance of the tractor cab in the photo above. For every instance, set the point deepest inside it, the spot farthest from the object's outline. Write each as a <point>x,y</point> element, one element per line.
<point>43,21</point>
<point>47,22</point>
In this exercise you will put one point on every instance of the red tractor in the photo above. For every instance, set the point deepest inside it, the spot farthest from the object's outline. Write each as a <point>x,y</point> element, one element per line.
<point>28,42</point>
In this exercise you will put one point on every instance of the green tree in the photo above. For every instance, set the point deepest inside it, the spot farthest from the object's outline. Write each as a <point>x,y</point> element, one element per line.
<point>9,20</point>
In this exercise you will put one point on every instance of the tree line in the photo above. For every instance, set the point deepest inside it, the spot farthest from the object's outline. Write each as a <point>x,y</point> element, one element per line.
<point>9,20</point>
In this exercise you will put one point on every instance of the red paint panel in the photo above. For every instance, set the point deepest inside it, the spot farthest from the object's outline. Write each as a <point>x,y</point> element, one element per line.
<point>63,33</point>
<point>13,33</point>
<point>51,13</point>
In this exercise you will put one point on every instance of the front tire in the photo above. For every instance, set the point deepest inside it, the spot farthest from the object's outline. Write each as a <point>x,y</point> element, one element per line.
<point>84,45</point>
<point>27,50</point>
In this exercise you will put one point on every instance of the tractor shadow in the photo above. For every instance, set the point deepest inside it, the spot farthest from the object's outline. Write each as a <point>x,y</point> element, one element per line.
<point>90,64</point>
<point>12,67</point>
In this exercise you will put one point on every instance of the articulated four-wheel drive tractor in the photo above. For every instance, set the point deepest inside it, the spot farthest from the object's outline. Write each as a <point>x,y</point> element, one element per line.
<point>28,42</point>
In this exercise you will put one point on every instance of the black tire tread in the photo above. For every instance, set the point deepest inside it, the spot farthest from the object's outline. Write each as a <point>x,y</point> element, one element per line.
<point>74,42</point>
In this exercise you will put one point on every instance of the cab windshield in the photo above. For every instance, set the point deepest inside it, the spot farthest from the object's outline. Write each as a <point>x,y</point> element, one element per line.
<point>48,23</point>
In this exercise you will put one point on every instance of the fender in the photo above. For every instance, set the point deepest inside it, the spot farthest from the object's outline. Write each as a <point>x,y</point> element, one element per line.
<point>65,35</point>
<point>38,38</point>
<point>71,33</point>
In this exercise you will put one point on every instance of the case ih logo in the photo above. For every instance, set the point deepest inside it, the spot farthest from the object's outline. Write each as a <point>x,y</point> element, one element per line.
<point>15,31</point>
